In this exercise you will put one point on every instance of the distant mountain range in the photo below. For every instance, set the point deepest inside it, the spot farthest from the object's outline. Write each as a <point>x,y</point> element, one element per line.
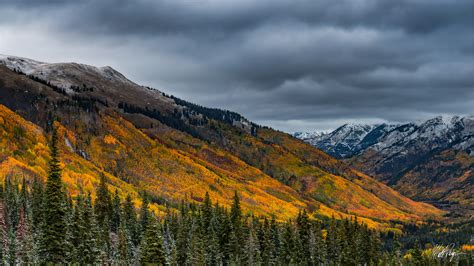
<point>144,140</point>
<point>431,161</point>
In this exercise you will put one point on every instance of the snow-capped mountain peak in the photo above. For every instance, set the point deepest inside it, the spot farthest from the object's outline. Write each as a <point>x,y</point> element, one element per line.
<point>390,139</point>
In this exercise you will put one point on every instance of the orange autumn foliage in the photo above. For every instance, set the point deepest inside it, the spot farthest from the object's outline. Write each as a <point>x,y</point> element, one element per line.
<point>172,166</point>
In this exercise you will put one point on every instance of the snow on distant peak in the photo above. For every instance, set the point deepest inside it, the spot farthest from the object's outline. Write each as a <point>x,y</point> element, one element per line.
<point>309,135</point>
<point>391,139</point>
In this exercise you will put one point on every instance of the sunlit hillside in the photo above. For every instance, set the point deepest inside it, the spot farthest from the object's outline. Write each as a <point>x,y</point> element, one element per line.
<point>175,151</point>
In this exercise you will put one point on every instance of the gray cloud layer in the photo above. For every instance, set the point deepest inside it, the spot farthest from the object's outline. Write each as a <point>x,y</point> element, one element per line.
<point>294,65</point>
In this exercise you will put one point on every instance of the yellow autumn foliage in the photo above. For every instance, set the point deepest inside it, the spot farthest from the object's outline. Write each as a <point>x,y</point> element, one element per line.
<point>172,166</point>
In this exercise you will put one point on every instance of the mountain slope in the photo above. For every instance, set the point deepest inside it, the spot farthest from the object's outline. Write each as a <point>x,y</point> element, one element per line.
<point>176,150</point>
<point>431,161</point>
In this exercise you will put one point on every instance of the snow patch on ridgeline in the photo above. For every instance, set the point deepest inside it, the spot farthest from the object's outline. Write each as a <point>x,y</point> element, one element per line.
<point>390,139</point>
<point>37,69</point>
<point>59,74</point>
<point>309,135</point>
<point>25,65</point>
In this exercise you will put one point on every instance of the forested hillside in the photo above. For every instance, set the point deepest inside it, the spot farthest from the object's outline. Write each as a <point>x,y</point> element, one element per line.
<point>42,223</point>
<point>143,140</point>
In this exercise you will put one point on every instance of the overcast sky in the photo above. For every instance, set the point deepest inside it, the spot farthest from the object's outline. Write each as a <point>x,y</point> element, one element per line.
<point>295,65</point>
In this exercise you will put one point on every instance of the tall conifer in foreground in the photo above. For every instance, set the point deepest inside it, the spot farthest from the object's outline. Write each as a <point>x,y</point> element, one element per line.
<point>152,250</point>
<point>236,236</point>
<point>52,244</point>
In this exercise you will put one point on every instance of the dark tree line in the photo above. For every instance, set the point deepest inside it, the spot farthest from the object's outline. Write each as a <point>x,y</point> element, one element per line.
<point>225,116</point>
<point>173,120</point>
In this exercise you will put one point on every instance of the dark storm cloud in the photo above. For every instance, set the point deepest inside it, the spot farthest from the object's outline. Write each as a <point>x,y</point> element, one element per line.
<point>296,65</point>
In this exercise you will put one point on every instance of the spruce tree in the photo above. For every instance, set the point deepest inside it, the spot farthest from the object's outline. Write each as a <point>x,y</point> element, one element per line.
<point>37,204</point>
<point>213,253</point>
<point>319,251</point>
<point>332,251</point>
<point>206,211</point>
<point>304,227</point>
<point>169,245</point>
<point>124,243</point>
<point>77,229</point>
<point>196,253</point>
<point>416,253</point>
<point>182,241</point>
<point>152,248</point>
<point>103,211</point>
<point>130,220</point>
<point>52,244</point>
<point>69,218</point>
<point>12,200</point>
<point>25,248</point>
<point>224,232</point>
<point>252,247</point>
<point>3,232</point>
<point>24,196</point>
<point>89,251</point>
<point>397,250</point>
<point>102,205</point>
<point>287,246</point>
<point>144,215</point>
<point>235,237</point>
<point>115,217</point>
<point>12,247</point>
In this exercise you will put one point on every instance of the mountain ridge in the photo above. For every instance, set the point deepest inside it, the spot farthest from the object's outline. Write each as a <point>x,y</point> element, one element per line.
<point>430,161</point>
<point>176,150</point>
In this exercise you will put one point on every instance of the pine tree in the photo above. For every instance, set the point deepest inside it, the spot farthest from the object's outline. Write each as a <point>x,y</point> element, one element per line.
<point>77,230</point>
<point>152,249</point>
<point>182,241</point>
<point>12,201</point>
<point>196,253</point>
<point>169,245</point>
<point>224,232</point>
<point>124,249</point>
<point>24,196</point>
<point>319,251</point>
<point>416,253</point>
<point>102,205</point>
<point>252,246</point>
<point>236,229</point>
<point>267,244</point>
<point>37,204</point>
<point>276,239</point>
<point>375,245</point>
<point>304,228</point>
<point>103,213</point>
<point>12,247</point>
<point>115,218</point>
<point>287,252</point>
<point>3,231</point>
<point>25,249</point>
<point>332,251</point>
<point>397,250</point>
<point>144,215</point>
<point>69,218</point>
<point>52,244</point>
<point>130,221</point>
<point>89,252</point>
<point>206,211</point>
<point>213,252</point>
